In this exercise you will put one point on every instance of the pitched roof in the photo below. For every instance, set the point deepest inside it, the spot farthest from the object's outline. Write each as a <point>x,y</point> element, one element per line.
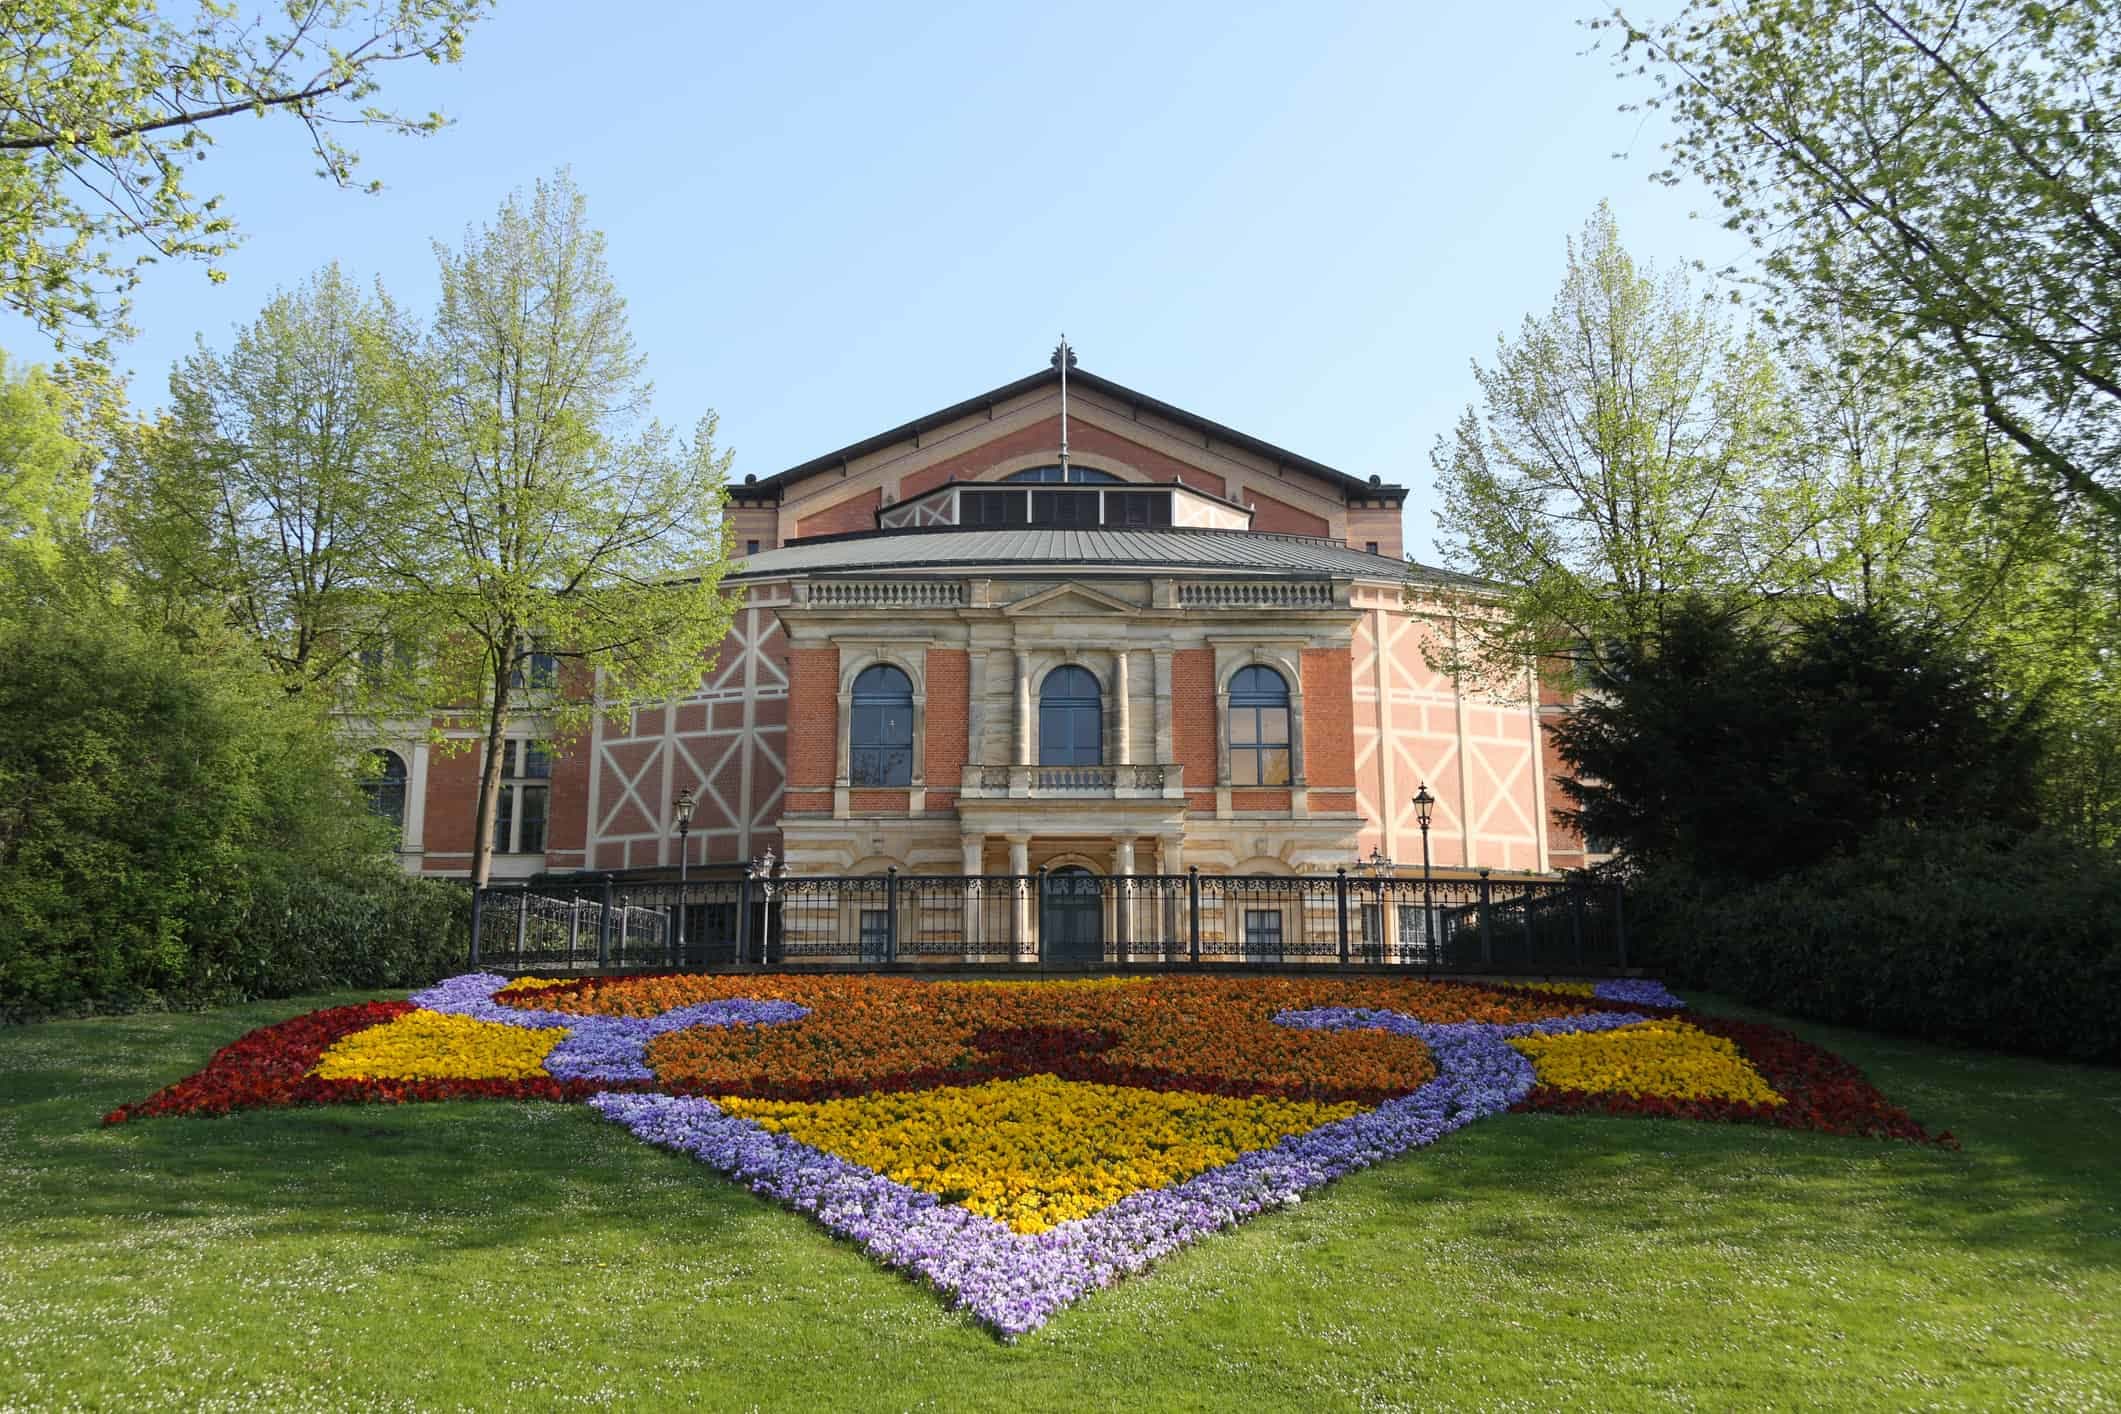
<point>953,547</point>
<point>771,487</point>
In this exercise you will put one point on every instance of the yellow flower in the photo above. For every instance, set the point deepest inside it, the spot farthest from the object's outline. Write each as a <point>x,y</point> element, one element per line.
<point>1039,1151</point>
<point>1665,1058</point>
<point>427,1045</point>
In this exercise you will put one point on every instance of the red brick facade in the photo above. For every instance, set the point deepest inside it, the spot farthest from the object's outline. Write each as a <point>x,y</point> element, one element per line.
<point>857,512</point>
<point>949,673</point>
<point>1281,518</point>
<point>1329,717</point>
<point>813,732</point>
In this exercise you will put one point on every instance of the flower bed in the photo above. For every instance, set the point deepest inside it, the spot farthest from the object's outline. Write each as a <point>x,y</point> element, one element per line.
<point>1020,1145</point>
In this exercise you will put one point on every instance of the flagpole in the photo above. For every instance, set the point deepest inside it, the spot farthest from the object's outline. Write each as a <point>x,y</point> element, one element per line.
<point>1062,354</point>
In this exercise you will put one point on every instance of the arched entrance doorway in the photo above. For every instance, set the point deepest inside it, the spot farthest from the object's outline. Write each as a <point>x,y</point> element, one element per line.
<point>1072,926</point>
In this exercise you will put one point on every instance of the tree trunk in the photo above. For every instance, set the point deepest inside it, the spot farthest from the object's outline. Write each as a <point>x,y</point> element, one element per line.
<point>490,781</point>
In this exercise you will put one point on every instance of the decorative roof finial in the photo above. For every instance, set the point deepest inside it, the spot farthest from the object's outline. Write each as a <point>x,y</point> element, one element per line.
<point>1061,350</point>
<point>1063,359</point>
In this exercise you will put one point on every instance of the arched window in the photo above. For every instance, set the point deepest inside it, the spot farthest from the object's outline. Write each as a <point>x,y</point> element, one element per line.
<point>1071,720</point>
<point>880,734</point>
<point>385,786</point>
<point>1259,728</point>
<point>1076,475</point>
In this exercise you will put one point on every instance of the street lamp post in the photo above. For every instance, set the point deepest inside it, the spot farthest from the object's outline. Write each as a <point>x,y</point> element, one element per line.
<point>1424,806</point>
<point>684,806</point>
<point>1380,867</point>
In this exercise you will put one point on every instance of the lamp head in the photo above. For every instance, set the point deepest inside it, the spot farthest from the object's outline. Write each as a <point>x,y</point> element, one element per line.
<point>685,808</point>
<point>1424,805</point>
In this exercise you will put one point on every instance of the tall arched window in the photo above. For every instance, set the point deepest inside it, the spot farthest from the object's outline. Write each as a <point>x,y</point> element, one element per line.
<point>1071,719</point>
<point>1259,728</point>
<point>385,786</point>
<point>880,732</point>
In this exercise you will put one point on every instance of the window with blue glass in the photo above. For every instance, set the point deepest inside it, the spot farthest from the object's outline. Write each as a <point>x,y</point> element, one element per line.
<point>1259,728</point>
<point>880,732</point>
<point>384,785</point>
<point>1074,475</point>
<point>1071,719</point>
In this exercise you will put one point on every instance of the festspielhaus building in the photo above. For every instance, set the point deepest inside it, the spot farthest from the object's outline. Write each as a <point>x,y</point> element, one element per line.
<point>1058,626</point>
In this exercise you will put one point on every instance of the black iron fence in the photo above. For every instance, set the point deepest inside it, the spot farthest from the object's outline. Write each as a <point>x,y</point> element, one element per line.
<point>1053,920</point>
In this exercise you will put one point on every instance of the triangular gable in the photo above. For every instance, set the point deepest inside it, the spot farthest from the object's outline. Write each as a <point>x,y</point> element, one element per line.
<point>1069,599</point>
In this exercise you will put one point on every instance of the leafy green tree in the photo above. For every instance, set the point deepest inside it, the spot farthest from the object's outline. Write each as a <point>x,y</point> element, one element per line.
<point>1729,750</point>
<point>105,105</point>
<point>1864,447</point>
<point>1612,470</point>
<point>259,491</point>
<point>44,470</point>
<point>1945,173</point>
<point>542,511</point>
<point>2032,581</point>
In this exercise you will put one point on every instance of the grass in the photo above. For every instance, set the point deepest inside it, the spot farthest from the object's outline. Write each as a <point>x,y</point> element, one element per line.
<point>487,1255</point>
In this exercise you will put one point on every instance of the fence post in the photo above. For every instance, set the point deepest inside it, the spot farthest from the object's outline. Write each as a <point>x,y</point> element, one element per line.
<point>743,916</point>
<point>478,917</point>
<point>1193,908</point>
<point>891,914</point>
<point>1487,920</point>
<point>1576,918</point>
<point>1620,920</point>
<point>604,925</point>
<point>522,922</point>
<point>1531,951</point>
<point>1340,903</point>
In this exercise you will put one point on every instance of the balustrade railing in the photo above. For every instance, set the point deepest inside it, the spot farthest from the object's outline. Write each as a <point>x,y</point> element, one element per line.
<point>887,594</point>
<point>1152,780</point>
<point>1055,920</point>
<point>1260,594</point>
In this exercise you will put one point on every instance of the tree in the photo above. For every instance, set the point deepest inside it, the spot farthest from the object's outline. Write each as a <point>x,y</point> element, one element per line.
<point>44,469</point>
<point>1612,470</point>
<point>1946,173</point>
<point>542,512</point>
<point>259,491</point>
<point>1864,451</point>
<point>104,105</point>
<point>1728,750</point>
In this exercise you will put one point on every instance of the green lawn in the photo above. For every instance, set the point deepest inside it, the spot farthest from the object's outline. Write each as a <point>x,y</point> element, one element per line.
<point>533,1256</point>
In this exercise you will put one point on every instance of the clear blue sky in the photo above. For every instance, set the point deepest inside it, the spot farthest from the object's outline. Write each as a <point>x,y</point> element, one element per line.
<point>1301,220</point>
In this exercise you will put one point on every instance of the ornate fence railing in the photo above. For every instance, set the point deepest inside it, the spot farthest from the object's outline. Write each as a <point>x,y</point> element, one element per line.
<point>1059,920</point>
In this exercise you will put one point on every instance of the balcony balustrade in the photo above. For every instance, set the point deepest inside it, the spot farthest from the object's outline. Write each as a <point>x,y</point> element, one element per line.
<point>1142,782</point>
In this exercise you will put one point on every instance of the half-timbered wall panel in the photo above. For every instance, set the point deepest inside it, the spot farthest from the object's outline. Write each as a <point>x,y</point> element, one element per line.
<point>727,741</point>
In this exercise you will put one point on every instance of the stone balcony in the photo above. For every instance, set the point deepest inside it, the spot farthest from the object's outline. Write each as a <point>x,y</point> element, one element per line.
<point>1065,783</point>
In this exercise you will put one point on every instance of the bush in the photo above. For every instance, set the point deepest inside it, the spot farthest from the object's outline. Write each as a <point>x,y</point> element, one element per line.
<point>306,933</point>
<point>178,830</point>
<point>1970,936</point>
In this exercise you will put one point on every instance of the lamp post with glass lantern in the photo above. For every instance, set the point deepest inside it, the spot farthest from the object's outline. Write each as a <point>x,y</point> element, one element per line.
<point>1380,866</point>
<point>684,808</point>
<point>1424,806</point>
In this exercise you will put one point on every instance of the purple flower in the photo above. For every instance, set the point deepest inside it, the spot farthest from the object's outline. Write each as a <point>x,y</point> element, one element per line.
<point>1014,1282</point>
<point>598,1047</point>
<point>1636,991</point>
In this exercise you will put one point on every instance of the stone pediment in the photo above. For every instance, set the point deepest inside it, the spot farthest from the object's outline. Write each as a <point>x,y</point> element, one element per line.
<point>1068,600</point>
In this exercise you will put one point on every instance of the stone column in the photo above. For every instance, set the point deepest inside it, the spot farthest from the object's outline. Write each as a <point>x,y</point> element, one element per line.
<point>976,707</point>
<point>1124,707</point>
<point>1164,752</point>
<point>1023,708</point>
<point>975,847</point>
<point>1124,908</point>
<point>1171,850</point>
<point>1020,865</point>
